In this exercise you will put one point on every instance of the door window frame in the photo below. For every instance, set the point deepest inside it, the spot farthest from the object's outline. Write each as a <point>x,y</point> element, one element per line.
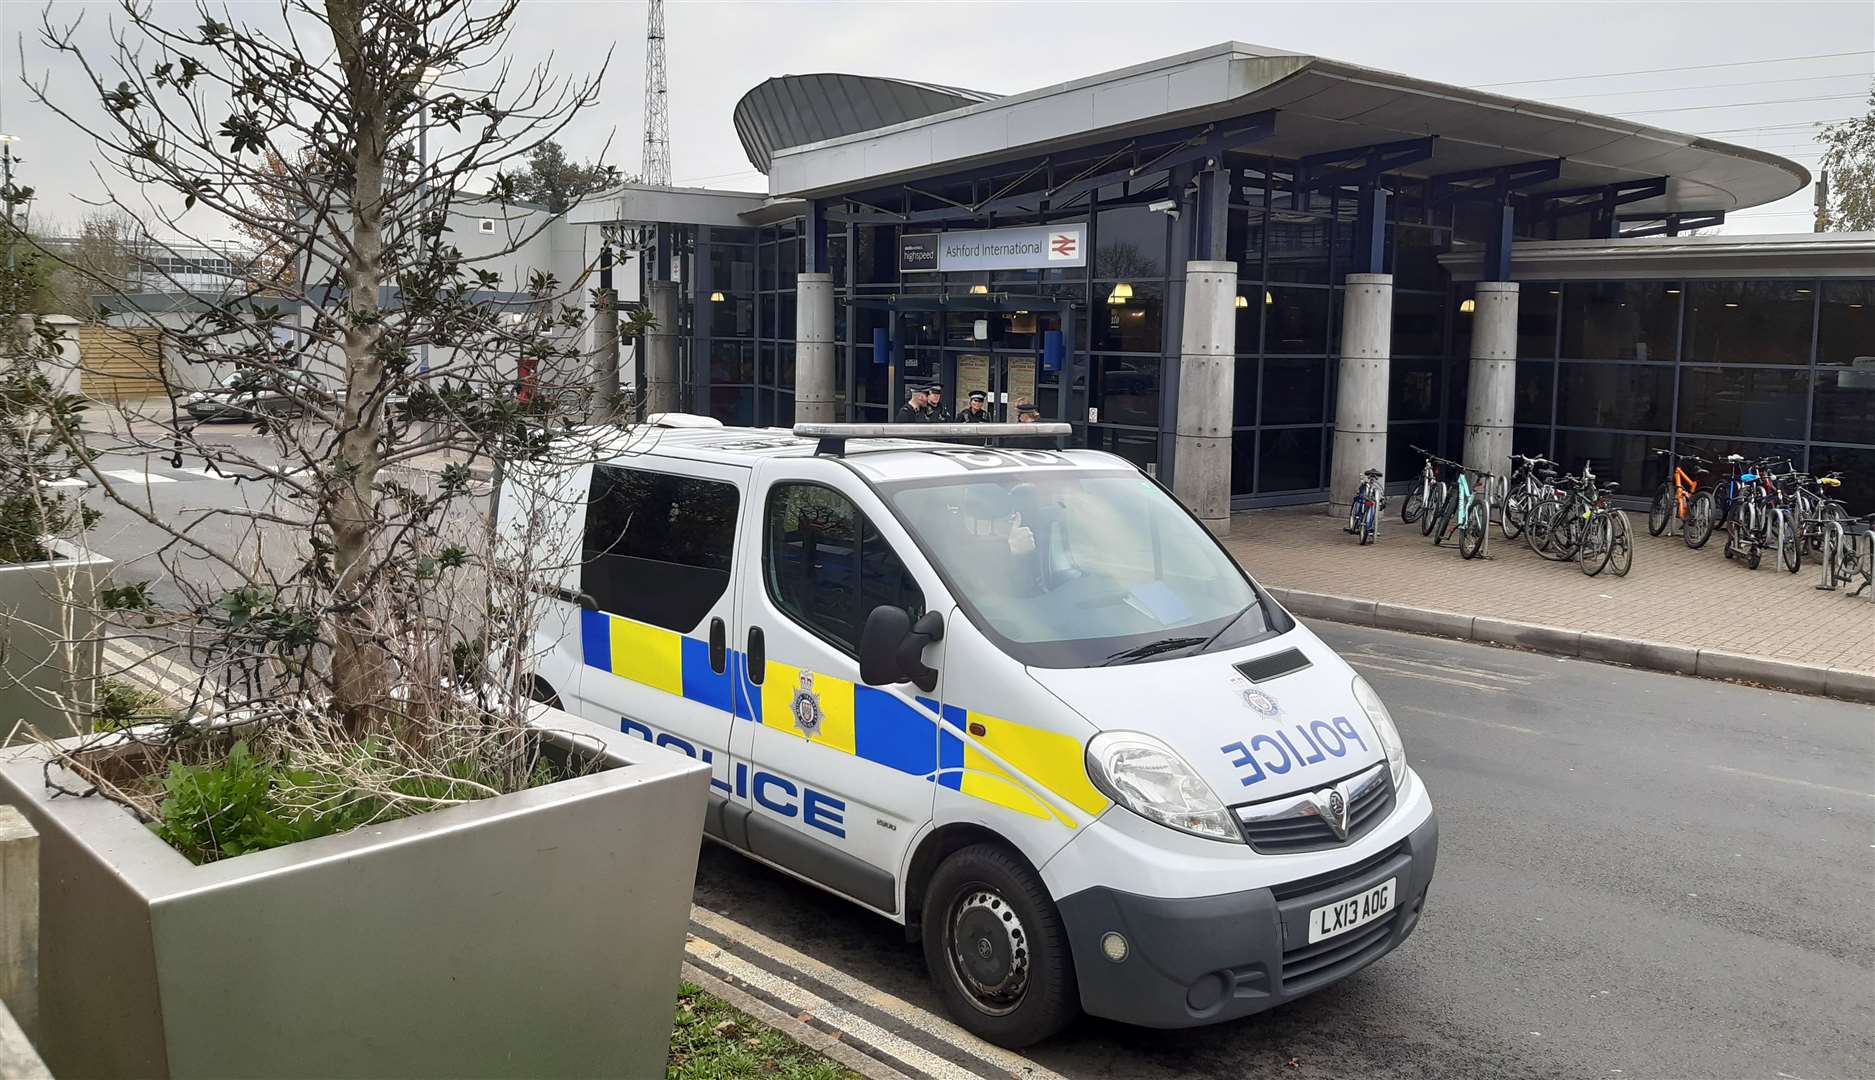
<point>784,609</point>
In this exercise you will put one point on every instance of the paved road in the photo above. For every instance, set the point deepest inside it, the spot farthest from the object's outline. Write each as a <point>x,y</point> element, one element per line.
<point>1640,875</point>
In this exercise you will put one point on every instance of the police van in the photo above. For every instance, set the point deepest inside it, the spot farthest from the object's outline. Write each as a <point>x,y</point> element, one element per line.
<point>1016,699</point>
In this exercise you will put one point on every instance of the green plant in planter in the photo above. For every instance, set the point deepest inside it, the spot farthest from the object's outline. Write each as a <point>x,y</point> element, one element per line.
<point>357,619</point>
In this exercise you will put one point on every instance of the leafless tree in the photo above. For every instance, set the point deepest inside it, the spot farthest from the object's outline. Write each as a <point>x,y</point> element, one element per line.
<point>326,598</point>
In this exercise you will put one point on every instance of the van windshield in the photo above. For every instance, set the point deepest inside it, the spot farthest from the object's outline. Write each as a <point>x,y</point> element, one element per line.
<point>1071,568</point>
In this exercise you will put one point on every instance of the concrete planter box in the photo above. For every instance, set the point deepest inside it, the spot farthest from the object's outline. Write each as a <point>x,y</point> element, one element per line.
<point>537,934</point>
<point>32,664</point>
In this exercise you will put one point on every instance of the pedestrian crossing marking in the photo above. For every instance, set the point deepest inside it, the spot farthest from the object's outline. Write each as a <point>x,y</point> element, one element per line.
<point>69,481</point>
<point>209,474</point>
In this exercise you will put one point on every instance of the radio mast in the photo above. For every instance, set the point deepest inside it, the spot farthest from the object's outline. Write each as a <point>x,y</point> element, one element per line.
<point>656,162</point>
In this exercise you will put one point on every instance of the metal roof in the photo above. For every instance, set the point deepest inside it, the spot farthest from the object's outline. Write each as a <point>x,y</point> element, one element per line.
<point>1322,104</point>
<point>791,110</point>
<point>1727,255</point>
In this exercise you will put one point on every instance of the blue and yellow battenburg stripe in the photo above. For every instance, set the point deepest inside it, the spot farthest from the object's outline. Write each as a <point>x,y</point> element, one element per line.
<point>1003,766</point>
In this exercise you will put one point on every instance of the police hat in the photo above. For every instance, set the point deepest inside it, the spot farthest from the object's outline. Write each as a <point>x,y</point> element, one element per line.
<point>978,395</point>
<point>1026,407</point>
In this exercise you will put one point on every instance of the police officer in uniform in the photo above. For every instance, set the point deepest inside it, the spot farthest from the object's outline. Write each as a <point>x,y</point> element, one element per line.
<point>934,411</point>
<point>912,412</point>
<point>975,412</point>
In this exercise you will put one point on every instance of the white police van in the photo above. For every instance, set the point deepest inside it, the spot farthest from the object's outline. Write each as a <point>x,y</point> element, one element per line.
<point>1018,700</point>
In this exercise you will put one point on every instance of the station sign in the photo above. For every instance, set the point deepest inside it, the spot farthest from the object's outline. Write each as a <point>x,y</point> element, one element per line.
<point>1028,247</point>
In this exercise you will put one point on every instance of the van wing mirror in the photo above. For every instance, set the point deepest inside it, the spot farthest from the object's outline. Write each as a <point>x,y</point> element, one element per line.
<point>891,647</point>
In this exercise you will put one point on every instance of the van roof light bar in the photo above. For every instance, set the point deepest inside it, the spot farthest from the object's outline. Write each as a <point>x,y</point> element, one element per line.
<point>833,436</point>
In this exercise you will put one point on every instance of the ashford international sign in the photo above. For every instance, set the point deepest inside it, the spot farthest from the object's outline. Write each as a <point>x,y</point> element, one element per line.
<point>1027,248</point>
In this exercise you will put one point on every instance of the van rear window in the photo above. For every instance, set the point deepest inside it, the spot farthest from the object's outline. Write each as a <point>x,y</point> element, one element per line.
<point>657,547</point>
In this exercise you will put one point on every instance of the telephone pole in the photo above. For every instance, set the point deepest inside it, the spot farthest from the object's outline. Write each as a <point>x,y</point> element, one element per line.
<point>656,164</point>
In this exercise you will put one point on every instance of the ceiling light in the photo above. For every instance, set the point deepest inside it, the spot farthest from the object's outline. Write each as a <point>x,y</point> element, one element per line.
<point>1731,303</point>
<point>1467,306</point>
<point>1673,292</point>
<point>979,290</point>
<point>1268,299</point>
<point>1116,300</point>
<point>1241,302</point>
<point>1803,292</point>
<point>1123,290</point>
<point>716,298</point>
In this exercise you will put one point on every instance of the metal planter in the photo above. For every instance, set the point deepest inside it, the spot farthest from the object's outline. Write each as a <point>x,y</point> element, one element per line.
<point>536,934</point>
<point>33,662</point>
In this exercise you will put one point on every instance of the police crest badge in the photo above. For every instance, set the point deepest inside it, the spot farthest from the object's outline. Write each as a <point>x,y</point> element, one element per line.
<point>806,706</point>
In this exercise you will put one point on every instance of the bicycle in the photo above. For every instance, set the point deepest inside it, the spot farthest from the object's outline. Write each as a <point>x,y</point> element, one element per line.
<point>1529,482</point>
<point>1606,540</point>
<point>1453,508</point>
<point>1747,519</point>
<point>1677,501</point>
<point>1369,503</point>
<point>1554,528</point>
<point>1429,493</point>
<point>1474,535</point>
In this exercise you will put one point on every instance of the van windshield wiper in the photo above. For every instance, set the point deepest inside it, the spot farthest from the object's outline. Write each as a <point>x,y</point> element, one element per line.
<point>1151,648</point>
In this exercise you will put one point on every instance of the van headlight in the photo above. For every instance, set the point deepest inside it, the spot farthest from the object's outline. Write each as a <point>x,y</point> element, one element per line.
<point>1144,775</point>
<point>1382,720</point>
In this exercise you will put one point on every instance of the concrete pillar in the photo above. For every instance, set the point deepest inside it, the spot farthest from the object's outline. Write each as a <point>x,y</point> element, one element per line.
<point>1491,400</point>
<point>1361,387</point>
<point>1207,374</point>
<point>603,357</point>
<point>661,349</point>
<point>814,378</point>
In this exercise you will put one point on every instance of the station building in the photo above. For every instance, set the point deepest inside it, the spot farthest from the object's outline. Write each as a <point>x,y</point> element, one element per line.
<point>1257,274</point>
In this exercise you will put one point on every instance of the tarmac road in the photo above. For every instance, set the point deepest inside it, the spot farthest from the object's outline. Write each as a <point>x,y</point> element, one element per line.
<point>1640,875</point>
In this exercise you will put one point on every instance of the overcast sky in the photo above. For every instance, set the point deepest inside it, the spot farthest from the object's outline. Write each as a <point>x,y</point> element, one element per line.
<point>718,49</point>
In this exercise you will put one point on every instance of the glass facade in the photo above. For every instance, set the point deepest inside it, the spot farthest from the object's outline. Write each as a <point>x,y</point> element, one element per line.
<point>1608,370</point>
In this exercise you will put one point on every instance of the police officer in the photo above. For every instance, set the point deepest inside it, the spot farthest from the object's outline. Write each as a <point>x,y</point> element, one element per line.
<point>934,411</point>
<point>975,412</point>
<point>912,412</point>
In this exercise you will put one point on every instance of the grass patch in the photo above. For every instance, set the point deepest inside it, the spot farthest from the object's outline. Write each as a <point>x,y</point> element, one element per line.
<point>711,1039</point>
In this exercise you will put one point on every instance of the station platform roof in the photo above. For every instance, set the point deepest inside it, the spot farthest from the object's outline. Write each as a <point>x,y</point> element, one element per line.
<point>1321,105</point>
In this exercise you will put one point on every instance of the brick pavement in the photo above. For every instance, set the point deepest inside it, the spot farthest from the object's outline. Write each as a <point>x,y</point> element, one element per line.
<point>1673,594</point>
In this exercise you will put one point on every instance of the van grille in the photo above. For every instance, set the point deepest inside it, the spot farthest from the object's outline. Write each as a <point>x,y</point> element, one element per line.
<point>1326,961</point>
<point>1290,825</point>
<point>1336,878</point>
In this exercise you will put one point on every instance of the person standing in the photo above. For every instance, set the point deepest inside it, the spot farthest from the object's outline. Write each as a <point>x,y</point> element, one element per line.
<point>912,412</point>
<point>975,412</point>
<point>934,412</point>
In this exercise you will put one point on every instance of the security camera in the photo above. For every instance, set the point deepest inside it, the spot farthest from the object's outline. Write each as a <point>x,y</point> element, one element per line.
<point>1164,206</point>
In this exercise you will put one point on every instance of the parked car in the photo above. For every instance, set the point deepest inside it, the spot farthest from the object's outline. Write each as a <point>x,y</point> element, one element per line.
<point>244,395</point>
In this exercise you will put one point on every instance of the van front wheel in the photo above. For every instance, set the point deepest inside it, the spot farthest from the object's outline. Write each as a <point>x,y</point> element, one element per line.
<point>996,949</point>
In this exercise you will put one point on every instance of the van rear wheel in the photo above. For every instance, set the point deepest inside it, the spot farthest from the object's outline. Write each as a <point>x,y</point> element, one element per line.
<point>996,949</point>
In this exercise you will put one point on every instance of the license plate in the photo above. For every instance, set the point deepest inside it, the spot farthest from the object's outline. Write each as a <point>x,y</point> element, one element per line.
<point>1342,916</point>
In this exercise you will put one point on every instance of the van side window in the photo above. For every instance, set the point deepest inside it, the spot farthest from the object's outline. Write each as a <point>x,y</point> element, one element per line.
<point>657,547</point>
<point>827,566</point>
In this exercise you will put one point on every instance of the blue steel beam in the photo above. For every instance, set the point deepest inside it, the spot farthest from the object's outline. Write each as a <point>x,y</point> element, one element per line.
<point>1160,151</point>
<point>1493,183</point>
<point>1602,200</point>
<point>1359,165</point>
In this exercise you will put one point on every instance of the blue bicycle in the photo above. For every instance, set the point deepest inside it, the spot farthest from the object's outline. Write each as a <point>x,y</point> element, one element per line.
<point>1364,512</point>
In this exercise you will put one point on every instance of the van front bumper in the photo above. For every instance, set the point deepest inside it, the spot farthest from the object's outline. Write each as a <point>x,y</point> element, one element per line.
<point>1201,960</point>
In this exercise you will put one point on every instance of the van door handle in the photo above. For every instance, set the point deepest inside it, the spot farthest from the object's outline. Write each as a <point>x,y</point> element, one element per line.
<point>758,656</point>
<point>719,646</point>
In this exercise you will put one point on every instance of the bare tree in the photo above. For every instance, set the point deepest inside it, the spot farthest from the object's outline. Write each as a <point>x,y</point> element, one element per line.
<point>1849,162</point>
<point>319,604</point>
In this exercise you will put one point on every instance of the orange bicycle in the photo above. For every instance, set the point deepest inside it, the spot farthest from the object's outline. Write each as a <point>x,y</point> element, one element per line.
<point>1675,502</point>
